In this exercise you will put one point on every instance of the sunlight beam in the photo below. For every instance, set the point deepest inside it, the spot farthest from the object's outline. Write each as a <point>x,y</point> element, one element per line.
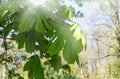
<point>37,2</point>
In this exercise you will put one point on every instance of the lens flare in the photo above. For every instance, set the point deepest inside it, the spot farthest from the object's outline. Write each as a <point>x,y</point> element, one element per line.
<point>37,2</point>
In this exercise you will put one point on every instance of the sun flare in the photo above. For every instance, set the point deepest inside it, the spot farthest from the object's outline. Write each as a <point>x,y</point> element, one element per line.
<point>37,2</point>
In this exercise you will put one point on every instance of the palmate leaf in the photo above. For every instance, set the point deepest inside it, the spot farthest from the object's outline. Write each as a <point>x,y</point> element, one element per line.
<point>75,43</point>
<point>71,40</point>
<point>34,68</point>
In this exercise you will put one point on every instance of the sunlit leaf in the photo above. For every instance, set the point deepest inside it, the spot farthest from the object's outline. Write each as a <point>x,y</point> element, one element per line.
<point>70,51</point>
<point>84,42</point>
<point>4,13</point>
<point>39,27</point>
<point>26,23</point>
<point>69,12</point>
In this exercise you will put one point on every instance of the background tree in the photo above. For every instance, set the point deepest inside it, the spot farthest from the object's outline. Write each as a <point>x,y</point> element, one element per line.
<point>106,31</point>
<point>102,27</point>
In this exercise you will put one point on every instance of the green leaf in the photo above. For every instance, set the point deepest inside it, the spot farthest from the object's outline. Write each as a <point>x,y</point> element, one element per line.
<point>46,23</point>
<point>76,31</point>
<point>50,33</point>
<point>77,34</point>
<point>7,29</point>
<point>30,42</point>
<point>41,41</point>
<point>70,14</point>
<point>19,40</point>
<point>39,27</point>
<point>57,45</point>
<point>70,52</point>
<point>26,23</point>
<point>34,68</point>
<point>84,42</point>
<point>4,13</point>
<point>69,39</point>
<point>56,62</point>
<point>72,46</point>
<point>27,38</point>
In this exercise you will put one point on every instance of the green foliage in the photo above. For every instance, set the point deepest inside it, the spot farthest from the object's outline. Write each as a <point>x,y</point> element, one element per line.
<point>57,45</point>
<point>34,67</point>
<point>66,67</point>
<point>42,28</point>
<point>116,69</point>
<point>56,62</point>
<point>69,12</point>
<point>12,74</point>
<point>26,23</point>
<point>38,24</point>
<point>7,29</point>
<point>50,73</point>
